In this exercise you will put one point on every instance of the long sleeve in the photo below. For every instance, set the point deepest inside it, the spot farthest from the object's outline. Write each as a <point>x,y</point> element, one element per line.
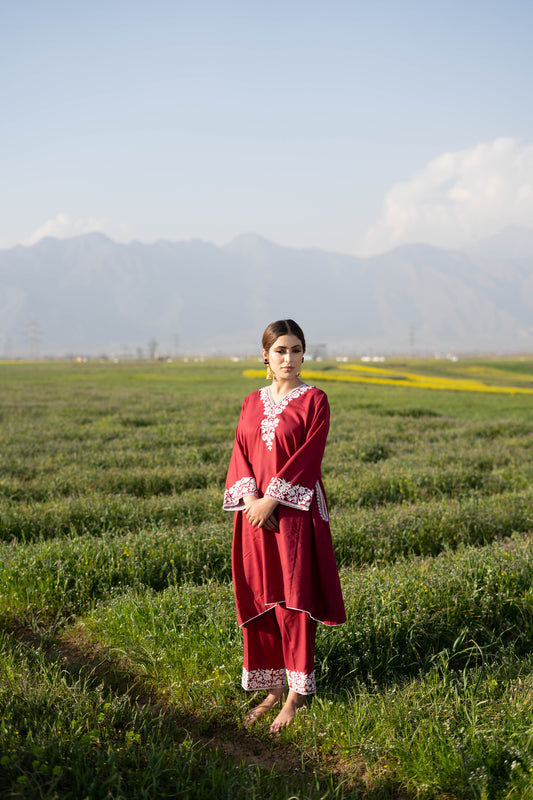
<point>295,483</point>
<point>277,453</point>
<point>240,479</point>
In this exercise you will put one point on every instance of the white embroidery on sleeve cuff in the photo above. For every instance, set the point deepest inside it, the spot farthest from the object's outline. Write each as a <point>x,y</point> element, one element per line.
<point>289,494</point>
<point>233,496</point>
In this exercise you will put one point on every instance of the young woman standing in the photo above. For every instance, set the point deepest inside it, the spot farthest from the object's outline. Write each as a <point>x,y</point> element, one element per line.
<point>284,571</point>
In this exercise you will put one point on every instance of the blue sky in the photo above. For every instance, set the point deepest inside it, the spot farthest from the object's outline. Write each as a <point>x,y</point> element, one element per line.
<point>348,126</point>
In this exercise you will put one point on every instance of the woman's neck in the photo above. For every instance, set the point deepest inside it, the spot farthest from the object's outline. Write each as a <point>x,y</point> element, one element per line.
<point>279,389</point>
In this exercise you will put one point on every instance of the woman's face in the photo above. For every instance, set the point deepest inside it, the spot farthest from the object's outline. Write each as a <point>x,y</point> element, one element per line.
<point>285,357</point>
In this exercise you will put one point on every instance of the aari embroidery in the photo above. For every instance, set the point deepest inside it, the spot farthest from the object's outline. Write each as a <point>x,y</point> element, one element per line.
<point>235,493</point>
<point>257,679</point>
<point>321,501</point>
<point>291,494</point>
<point>273,410</point>
<point>301,682</point>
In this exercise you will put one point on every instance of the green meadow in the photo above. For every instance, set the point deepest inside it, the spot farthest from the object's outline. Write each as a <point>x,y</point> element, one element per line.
<point>120,656</point>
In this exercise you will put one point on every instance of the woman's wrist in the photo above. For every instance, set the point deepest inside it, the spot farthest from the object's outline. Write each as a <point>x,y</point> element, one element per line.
<point>270,502</point>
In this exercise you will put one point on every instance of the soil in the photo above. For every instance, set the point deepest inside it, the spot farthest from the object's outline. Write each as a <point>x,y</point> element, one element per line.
<point>82,655</point>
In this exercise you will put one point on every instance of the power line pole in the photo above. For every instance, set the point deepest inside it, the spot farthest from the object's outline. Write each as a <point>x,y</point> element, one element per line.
<point>34,337</point>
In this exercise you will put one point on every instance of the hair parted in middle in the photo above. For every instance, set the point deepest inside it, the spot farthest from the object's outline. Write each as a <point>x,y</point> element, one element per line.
<point>282,327</point>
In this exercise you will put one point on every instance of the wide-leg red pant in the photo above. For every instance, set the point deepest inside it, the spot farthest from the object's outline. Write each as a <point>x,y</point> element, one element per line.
<point>279,645</point>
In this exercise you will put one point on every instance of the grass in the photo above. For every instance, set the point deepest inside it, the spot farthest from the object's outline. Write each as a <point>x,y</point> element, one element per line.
<point>66,734</point>
<point>120,655</point>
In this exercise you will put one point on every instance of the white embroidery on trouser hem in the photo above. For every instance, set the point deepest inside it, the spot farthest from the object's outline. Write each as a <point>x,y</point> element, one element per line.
<point>301,682</point>
<point>257,679</point>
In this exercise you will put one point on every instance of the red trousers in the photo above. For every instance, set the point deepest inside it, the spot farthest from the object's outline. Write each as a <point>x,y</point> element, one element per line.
<point>280,643</point>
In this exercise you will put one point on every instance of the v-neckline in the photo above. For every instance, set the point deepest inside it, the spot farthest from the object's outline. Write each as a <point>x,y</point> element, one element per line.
<point>285,396</point>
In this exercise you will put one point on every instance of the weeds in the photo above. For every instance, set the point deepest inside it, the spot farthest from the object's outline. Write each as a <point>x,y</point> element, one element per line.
<point>111,529</point>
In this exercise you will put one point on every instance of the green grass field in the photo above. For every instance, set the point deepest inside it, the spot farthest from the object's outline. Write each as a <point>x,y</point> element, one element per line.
<point>120,656</point>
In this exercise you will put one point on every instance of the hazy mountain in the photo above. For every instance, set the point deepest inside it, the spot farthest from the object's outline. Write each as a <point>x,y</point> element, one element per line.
<point>90,295</point>
<point>513,241</point>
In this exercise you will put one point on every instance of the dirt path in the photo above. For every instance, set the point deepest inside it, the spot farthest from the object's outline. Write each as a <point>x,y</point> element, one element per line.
<point>82,656</point>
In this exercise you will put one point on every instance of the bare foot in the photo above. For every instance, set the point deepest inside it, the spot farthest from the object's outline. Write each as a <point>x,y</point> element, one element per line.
<point>292,704</point>
<point>274,696</point>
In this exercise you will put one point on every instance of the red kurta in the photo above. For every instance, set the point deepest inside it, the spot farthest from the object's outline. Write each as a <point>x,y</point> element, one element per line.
<point>278,452</point>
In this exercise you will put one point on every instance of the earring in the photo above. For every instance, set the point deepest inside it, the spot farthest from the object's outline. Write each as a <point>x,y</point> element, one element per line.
<point>269,371</point>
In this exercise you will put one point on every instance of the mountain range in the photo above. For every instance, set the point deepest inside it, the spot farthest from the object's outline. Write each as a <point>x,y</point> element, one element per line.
<point>90,295</point>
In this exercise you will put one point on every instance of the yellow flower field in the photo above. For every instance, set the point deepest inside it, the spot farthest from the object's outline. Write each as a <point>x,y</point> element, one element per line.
<point>393,377</point>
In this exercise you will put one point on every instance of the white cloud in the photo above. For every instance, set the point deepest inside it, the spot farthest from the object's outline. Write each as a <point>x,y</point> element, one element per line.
<point>63,227</point>
<point>458,198</point>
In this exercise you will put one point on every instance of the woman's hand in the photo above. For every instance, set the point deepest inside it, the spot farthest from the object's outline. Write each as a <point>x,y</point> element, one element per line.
<point>261,512</point>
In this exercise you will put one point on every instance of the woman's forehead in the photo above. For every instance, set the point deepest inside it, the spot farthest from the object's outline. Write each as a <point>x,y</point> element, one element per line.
<point>287,340</point>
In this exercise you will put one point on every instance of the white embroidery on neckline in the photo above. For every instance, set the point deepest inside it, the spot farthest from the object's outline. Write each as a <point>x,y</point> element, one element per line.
<point>273,410</point>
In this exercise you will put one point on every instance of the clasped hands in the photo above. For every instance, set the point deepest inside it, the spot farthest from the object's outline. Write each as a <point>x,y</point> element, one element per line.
<point>261,512</point>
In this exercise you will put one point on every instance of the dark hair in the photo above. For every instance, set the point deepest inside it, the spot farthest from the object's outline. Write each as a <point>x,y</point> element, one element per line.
<point>282,327</point>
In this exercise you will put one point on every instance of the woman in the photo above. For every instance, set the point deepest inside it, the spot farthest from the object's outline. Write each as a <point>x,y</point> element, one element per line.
<point>284,571</point>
